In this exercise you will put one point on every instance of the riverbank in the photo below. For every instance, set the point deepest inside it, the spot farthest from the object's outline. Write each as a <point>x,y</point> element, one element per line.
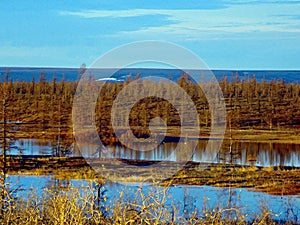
<point>290,135</point>
<point>286,135</point>
<point>271,180</point>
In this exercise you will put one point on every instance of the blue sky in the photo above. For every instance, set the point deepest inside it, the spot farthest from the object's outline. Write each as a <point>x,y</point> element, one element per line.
<point>226,34</point>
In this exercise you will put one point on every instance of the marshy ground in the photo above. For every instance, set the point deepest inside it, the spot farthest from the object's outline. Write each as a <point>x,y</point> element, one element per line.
<point>271,180</point>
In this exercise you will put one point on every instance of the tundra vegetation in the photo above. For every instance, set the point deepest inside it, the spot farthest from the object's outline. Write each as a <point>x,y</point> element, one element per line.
<point>42,109</point>
<point>251,105</point>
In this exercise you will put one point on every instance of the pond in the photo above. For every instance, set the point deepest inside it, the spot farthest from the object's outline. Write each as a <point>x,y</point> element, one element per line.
<point>186,198</point>
<point>242,153</point>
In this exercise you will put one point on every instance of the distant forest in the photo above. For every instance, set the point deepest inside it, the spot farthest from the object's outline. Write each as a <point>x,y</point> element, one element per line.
<point>47,105</point>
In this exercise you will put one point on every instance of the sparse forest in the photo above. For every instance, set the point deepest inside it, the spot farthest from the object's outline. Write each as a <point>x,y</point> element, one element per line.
<point>46,106</point>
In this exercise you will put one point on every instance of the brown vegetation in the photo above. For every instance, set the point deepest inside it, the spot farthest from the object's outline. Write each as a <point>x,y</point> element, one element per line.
<point>271,180</point>
<point>82,206</point>
<point>45,107</point>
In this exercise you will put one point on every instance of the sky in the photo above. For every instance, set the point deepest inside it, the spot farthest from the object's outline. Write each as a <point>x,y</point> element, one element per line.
<point>225,34</point>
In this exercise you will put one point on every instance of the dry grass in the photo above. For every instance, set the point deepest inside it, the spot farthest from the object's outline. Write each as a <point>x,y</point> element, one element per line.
<point>272,180</point>
<point>81,206</point>
<point>288,136</point>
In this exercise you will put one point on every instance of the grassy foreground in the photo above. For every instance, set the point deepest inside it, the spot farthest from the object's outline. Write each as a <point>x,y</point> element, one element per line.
<point>74,206</point>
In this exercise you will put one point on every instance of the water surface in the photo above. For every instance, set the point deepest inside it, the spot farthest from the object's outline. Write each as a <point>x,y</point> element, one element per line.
<point>242,153</point>
<point>187,198</point>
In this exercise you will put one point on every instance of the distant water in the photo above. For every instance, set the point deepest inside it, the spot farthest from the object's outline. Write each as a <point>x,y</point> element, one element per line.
<point>72,74</point>
<point>243,153</point>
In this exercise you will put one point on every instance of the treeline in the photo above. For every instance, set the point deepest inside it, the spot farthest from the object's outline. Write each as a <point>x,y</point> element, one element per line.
<point>265,104</point>
<point>41,105</point>
<point>47,105</point>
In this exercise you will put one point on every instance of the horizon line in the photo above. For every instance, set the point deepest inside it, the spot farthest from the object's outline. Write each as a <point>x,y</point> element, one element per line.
<point>153,68</point>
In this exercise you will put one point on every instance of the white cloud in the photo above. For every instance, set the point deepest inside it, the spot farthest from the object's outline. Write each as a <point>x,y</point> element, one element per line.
<point>196,24</point>
<point>114,13</point>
